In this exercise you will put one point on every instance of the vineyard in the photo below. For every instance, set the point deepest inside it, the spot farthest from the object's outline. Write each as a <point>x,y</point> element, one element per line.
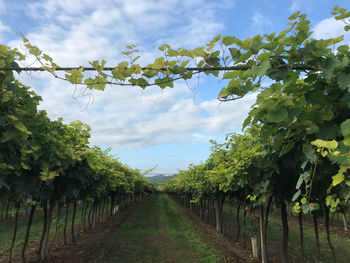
<point>279,190</point>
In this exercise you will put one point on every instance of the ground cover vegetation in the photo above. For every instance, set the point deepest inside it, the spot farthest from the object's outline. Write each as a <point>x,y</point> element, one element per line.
<point>164,234</point>
<point>294,151</point>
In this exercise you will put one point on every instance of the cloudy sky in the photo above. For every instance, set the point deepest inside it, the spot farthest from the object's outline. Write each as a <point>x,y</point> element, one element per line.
<point>169,128</point>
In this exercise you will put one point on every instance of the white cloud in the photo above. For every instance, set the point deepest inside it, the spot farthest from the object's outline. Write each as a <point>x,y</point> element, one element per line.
<point>78,31</point>
<point>50,8</point>
<point>330,28</point>
<point>193,34</point>
<point>124,117</point>
<point>295,6</point>
<point>184,121</point>
<point>304,5</point>
<point>261,23</point>
<point>3,27</point>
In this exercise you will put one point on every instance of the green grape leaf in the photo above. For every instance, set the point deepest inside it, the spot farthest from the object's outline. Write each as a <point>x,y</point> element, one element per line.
<point>301,179</point>
<point>331,145</point>
<point>294,16</point>
<point>345,130</point>
<point>329,200</point>
<point>215,39</point>
<point>331,63</point>
<point>277,116</point>
<point>314,206</point>
<point>345,127</point>
<point>224,92</point>
<point>344,81</point>
<point>303,200</point>
<point>235,53</point>
<point>229,40</point>
<point>22,128</point>
<point>261,69</point>
<point>337,179</point>
<point>305,208</point>
<point>296,195</point>
<point>7,136</point>
<point>75,76</point>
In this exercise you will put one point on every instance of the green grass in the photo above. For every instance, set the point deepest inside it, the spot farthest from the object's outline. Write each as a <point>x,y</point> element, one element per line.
<point>158,232</point>
<point>7,226</point>
<point>341,245</point>
<point>274,239</point>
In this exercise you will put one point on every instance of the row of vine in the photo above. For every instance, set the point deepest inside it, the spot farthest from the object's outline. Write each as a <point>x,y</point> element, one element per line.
<point>47,164</point>
<point>295,148</point>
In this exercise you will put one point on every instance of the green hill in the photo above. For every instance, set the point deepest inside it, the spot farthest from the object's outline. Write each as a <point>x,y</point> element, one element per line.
<point>160,178</point>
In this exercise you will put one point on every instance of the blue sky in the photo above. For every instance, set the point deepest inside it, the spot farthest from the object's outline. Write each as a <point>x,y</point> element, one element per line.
<point>146,128</point>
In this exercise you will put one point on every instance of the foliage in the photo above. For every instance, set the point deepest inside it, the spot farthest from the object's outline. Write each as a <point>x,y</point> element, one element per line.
<point>301,118</point>
<point>44,161</point>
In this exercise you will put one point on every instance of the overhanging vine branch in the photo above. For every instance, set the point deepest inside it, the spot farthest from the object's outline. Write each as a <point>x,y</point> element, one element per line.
<point>200,69</point>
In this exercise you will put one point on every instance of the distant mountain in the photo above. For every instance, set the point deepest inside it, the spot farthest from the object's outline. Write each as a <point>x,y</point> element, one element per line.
<point>160,178</point>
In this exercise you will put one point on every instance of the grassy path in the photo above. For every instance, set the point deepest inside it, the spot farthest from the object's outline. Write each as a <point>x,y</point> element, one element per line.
<point>158,231</point>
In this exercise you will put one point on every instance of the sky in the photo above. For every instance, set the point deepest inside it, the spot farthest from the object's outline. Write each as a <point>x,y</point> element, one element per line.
<point>167,129</point>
